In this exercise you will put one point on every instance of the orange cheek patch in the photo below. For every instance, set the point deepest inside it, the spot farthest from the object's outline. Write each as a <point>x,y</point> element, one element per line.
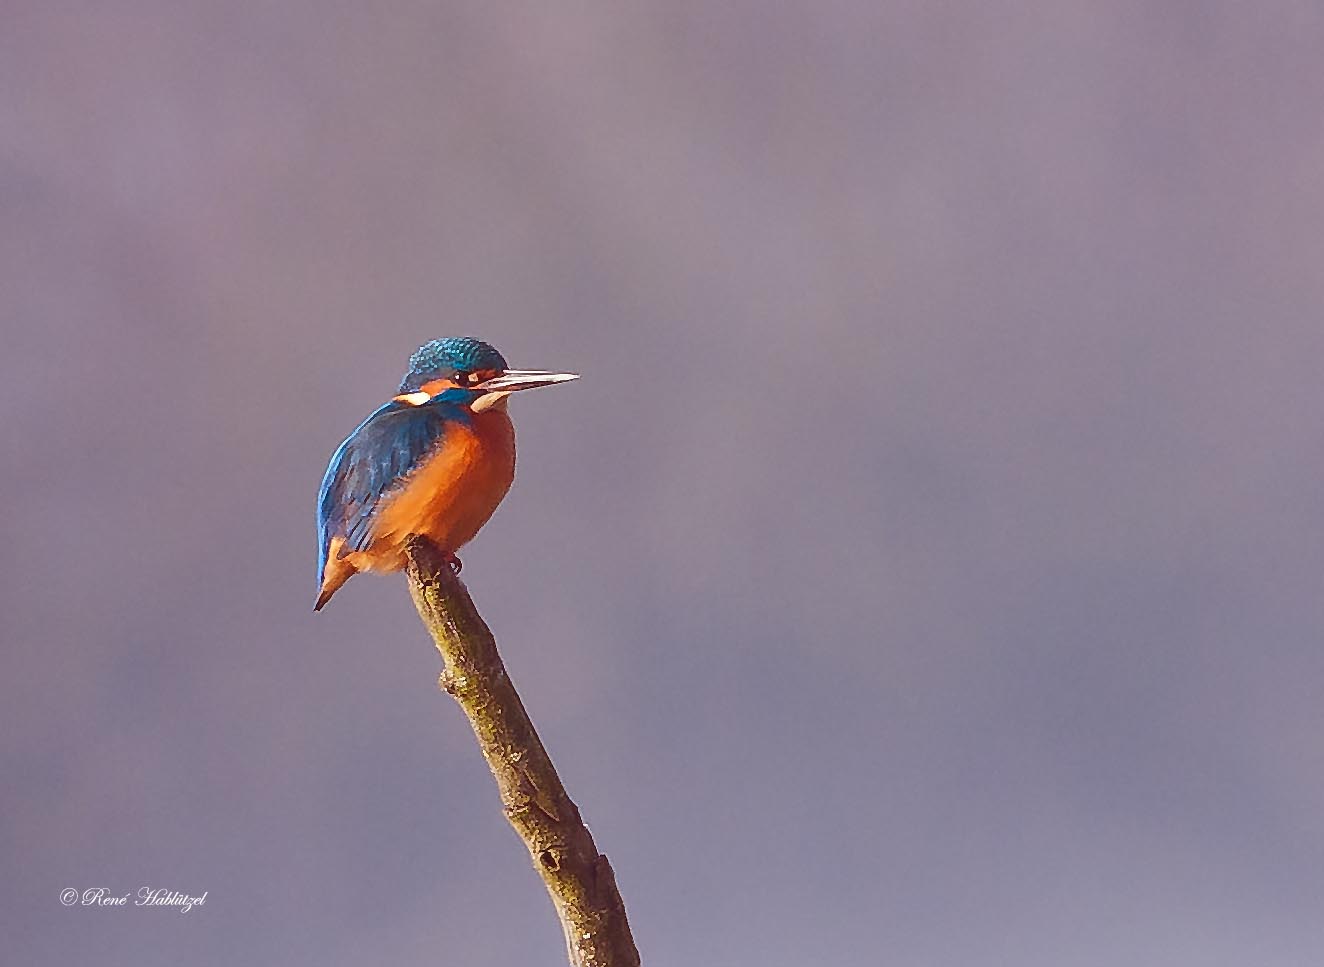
<point>428,390</point>
<point>435,386</point>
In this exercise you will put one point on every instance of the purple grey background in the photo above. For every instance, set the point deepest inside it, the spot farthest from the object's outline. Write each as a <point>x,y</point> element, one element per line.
<point>926,571</point>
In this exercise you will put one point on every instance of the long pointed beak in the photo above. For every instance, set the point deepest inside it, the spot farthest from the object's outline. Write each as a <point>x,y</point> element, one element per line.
<point>513,380</point>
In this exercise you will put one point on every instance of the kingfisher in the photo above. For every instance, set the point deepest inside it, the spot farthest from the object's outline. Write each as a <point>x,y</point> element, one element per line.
<point>435,462</point>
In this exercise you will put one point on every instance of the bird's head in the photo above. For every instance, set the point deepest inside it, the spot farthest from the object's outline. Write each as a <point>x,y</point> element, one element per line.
<point>468,371</point>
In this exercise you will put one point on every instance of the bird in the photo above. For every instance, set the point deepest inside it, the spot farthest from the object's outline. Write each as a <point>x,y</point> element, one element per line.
<point>434,462</point>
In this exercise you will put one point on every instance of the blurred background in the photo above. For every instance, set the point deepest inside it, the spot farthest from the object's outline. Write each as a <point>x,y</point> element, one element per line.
<point>926,570</point>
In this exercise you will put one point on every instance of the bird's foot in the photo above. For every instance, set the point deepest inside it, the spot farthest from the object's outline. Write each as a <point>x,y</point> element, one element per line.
<point>455,563</point>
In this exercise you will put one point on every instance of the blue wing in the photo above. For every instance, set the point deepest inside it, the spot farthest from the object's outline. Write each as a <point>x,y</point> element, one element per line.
<point>376,457</point>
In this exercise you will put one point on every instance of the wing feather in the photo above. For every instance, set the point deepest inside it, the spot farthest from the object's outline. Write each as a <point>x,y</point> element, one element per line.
<point>375,459</point>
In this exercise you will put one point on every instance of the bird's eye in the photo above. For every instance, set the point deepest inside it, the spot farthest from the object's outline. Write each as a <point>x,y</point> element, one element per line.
<point>475,378</point>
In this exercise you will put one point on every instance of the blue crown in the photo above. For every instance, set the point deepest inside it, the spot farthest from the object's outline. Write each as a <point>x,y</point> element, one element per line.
<point>446,357</point>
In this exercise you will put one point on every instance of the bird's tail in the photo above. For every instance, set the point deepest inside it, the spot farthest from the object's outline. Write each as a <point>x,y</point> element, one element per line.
<point>337,573</point>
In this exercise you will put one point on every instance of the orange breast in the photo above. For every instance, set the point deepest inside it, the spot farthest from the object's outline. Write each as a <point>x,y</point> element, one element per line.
<point>455,492</point>
<point>447,500</point>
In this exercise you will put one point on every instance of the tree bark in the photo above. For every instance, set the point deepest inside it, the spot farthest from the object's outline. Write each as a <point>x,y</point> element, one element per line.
<point>579,879</point>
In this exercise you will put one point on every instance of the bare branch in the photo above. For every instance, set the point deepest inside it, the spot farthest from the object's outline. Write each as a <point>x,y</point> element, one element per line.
<point>579,879</point>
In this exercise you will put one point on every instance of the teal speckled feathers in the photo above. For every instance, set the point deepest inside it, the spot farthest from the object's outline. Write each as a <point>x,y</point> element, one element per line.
<point>455,354</point>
